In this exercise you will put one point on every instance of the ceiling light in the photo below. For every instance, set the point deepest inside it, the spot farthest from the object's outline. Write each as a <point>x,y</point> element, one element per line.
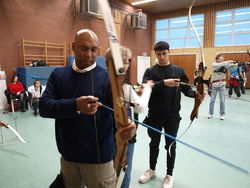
<point>141,2</point>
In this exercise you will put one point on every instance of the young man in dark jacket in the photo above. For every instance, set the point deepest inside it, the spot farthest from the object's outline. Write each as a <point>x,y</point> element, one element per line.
<point>164,106</point>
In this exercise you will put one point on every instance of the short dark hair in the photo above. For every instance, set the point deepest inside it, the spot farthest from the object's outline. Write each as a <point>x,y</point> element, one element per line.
<point>162,45</point>
<point>218,56</point>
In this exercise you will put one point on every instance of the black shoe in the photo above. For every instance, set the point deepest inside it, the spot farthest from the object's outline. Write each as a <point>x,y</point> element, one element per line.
<point>35,113</point>
<point>23,110</point>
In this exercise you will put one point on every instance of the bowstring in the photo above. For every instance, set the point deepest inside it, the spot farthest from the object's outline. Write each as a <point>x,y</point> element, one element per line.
<point>177,88</point>
<point>212,156</point>
<point>183,49</point>
<point>95,124</point>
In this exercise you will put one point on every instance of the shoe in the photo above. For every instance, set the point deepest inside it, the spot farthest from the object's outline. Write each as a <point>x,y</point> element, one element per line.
<point>168,182</point>
<point>35,113</point>
<point>23,110</point>
<point>222,117</point>
<point>209,116</point>
<point>146,176</point>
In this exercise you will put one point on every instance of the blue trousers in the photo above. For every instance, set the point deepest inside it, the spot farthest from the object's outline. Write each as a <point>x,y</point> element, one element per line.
<point>221,91</point>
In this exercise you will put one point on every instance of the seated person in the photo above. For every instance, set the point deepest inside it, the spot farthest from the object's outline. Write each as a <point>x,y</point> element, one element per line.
<point>16,91</point>
<point>36,90</point>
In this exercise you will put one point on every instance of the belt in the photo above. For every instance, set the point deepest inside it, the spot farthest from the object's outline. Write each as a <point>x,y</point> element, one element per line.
<point>218,80</point>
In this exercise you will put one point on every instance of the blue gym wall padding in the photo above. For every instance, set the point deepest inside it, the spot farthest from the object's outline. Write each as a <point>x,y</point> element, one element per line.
<point>27,75</point>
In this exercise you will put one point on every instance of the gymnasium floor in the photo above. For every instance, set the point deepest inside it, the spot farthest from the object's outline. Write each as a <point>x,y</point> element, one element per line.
<point>35,164</point>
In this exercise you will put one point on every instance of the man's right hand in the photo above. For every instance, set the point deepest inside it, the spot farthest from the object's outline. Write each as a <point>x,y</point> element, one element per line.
<point>173,82</point>
<point>149,83</point>
<point>87,104</point>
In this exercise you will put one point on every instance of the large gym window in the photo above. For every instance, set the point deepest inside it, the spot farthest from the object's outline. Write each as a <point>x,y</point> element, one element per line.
<point>178,31</point>
<point>232,27</point>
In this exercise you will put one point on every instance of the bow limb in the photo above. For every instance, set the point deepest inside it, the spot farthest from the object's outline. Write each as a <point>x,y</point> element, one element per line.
<point>201,70</point>
<point>13,130</point>
<point>117,75</point>
<point>195,31</point>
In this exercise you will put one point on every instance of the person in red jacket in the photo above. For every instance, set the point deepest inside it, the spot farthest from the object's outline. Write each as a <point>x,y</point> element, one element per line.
<point>17,91</point>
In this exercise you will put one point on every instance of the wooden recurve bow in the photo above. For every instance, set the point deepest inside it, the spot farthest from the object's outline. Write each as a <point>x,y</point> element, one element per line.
<point>201,71</point>
<point>117,75</point>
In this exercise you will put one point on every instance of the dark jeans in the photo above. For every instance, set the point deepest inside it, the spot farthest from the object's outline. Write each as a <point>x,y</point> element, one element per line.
<point>35,104</point>
<point>236,90</point>
<point>170,124</point>
<point>242,88</point>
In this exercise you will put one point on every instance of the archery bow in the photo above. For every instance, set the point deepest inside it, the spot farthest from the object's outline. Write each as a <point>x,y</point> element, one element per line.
<point>2,124</point>
<point>200,81</point>
<point>201,70</point>
<point>117,75</point>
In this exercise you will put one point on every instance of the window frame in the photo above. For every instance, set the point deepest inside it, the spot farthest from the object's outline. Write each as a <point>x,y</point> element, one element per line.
<point>233,23</point>
<point>187,38</point>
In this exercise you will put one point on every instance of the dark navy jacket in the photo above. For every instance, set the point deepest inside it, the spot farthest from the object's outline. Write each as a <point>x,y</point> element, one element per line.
<point>166,100</point>
<point>80,137</point>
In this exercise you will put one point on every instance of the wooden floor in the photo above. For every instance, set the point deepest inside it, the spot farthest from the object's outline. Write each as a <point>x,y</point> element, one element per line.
<point>35,164</point>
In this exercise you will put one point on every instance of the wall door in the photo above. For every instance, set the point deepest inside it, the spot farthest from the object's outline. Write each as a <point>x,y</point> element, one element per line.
<point>187,62</point>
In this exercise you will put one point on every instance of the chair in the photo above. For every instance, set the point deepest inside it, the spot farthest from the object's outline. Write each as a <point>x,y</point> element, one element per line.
<point>15,103</point>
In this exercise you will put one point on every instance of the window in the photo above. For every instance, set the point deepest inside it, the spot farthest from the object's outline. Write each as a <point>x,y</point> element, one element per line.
<point>232,27</point>
<point>178,31</point>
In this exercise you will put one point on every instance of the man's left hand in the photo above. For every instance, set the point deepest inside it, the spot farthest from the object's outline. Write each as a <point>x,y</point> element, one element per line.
<point>128,132</point>
<point>201,97</point>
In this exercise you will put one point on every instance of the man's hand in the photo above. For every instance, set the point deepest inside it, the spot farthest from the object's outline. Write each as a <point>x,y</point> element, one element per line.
<point>232,62</point>
<point>173,82</point>
<point>149,83</point>
<point>140,90</point>
<point>201,97</point>
<point>128,132</point>
<point>87,104</point>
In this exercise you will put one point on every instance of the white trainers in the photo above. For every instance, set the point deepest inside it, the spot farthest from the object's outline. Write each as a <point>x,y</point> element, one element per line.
<point>222,117</point>
<point>209,116</point>
<point>168,182</point>
<point>146,176</point>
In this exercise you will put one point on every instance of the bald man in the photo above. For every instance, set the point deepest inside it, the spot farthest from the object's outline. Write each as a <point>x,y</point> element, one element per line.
<point>84,131</point>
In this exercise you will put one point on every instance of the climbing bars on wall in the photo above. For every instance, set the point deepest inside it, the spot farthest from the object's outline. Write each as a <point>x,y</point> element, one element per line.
<point>54,53</point>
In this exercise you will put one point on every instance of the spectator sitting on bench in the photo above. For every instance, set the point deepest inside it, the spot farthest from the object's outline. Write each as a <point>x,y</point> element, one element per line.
<point>16,91</point>
<point>36,90</point>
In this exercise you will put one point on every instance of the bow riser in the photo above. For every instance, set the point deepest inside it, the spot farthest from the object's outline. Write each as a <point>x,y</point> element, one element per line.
<point>120,111</point>
<point>120,115</point>
<point>200,89</point>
